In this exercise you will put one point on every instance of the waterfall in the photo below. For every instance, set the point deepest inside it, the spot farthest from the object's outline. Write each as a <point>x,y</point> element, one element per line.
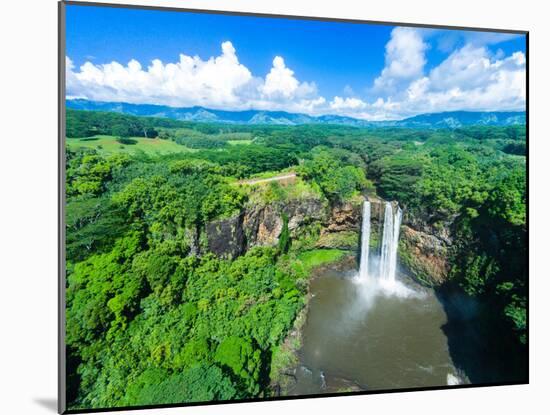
<point>395,244</point>
<point>390,240</point>
<point>365,237</point>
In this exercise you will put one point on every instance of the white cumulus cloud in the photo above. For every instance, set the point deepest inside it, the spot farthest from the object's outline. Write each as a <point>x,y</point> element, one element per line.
<point>218,82</point>
<point>469,78</point>
<point>280,82</point>
<point>405,58</point>
<point>339,103</point>
<point>190,81</point>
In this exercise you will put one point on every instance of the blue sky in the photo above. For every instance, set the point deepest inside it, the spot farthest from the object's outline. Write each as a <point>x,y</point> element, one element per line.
<point>361,70</point>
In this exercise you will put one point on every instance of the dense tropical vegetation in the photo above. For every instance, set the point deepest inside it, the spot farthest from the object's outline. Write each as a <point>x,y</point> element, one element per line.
<point>153,317</point>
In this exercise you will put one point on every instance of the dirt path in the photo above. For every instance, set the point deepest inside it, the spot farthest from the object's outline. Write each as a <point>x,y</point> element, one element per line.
<point>281,177</point>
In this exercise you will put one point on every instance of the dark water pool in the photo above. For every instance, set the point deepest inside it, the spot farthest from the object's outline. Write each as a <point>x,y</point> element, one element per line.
<point>360,337</point>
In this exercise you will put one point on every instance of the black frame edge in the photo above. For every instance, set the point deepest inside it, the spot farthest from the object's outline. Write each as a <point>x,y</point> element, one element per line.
<point>62,361</point>
<point>527,122</point>
<point>293,397</point>
<point>291,17</point>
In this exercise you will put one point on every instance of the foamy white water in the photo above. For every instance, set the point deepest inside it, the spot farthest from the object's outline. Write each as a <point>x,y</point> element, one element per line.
<point>452,380</point>
<point>390,242</point>
<point>365,238</point>
<point>394,245</point>
<point>387,238</point>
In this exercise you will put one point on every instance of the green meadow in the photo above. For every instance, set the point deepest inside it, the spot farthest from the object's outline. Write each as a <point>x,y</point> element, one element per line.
<point>108,144</point>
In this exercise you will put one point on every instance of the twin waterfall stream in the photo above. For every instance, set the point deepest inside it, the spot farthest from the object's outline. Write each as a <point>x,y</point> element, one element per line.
<point>372,328</point>
<point>388,251</point>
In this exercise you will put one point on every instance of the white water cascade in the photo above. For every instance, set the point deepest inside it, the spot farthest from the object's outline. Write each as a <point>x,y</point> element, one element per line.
<point>365,237</point>
<point>384,281</point>
<point>390,240</point>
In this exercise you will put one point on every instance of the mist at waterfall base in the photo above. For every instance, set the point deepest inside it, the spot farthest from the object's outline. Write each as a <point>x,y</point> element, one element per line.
<point>371,328</point>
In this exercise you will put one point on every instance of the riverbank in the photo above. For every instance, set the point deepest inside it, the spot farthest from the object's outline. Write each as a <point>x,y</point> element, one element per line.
<point>358,337</point>
<point>285,358</point>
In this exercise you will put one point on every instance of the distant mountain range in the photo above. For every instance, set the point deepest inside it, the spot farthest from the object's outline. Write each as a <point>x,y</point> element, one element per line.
<point>454,119</point>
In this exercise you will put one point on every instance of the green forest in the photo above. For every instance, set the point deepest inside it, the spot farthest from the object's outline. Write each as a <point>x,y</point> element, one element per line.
<point>155,317</point>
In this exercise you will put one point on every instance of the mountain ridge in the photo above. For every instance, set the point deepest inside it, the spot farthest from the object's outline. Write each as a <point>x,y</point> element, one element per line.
<point>447,119</point>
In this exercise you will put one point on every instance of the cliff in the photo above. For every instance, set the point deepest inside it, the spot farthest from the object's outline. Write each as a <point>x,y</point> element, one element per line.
<point>342,227</point>
<point>225,237</point>
<point>261,225</point>
<point>423,248</point>
<point>424,255</point>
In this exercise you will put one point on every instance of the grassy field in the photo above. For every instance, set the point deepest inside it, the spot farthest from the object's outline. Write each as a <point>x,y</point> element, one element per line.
<point>106,144</point>
<point>317,257</point>
<point>239,142</point>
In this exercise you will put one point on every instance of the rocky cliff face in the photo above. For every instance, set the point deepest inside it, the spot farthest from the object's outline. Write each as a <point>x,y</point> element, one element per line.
<point>225,237</point>
<point>423,223</point>
<point>261,225</point>
<point>423,249</point>
<point>345,217</point>
<point>341,227</point>
<point>424,254</point>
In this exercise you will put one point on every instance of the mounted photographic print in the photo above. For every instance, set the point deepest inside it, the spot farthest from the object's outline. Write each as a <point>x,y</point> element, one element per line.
<point>259,207</point>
